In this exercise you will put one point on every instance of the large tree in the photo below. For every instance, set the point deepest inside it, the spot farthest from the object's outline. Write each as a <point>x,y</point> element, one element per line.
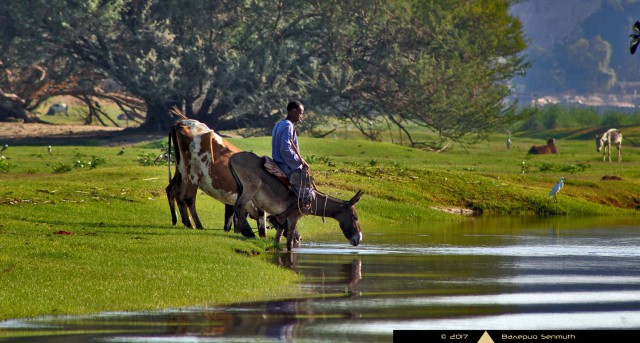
<point>443,65</point>
<point>36,64</point>
<point>218,60</point>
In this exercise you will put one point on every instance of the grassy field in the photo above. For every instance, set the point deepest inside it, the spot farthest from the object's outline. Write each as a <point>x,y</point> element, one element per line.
<point>76,239</point>
<point>79,237</point>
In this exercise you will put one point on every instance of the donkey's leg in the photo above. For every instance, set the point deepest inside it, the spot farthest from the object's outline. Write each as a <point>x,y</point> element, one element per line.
<point>619,152</point>
<point>262,225</point>
<point>292,234</point>
<point>290,238</point>
<point>277,221</point>
<point>241,215</point>
<point>293,238</point>
<point>278,235</point>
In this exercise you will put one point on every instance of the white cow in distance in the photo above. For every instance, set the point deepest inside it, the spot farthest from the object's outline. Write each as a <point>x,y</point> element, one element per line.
<point>59,107</point>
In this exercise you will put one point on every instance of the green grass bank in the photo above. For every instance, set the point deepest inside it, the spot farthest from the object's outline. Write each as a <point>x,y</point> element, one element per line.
<point>79,237</point>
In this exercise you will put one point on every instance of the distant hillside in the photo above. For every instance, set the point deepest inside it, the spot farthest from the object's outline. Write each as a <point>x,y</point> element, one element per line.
<point>580,47</point>
<point>547,22</point>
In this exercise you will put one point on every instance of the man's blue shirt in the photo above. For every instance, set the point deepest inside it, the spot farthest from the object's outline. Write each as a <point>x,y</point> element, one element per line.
<point>283,140</point>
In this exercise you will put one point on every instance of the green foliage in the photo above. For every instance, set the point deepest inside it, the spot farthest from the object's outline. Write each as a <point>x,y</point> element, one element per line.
<point>150,159</point>
<point>567,168</point>
<point>556,116</point>
<point>62,168</point>
<point>5,165</point>
<point>614,119</point>
<point>313,158</point>
<point>435,62</point>
<point>93,163</point>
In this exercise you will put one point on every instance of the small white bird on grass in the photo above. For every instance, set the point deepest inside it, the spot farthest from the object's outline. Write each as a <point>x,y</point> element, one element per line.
<point>558,186</point>
<point>49,148</point>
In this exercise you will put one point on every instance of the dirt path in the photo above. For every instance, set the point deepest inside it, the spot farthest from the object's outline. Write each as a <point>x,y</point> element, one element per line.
<point>43,134</point>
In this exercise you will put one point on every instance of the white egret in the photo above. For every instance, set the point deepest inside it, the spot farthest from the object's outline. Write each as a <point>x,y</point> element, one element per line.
<point>558,186</point>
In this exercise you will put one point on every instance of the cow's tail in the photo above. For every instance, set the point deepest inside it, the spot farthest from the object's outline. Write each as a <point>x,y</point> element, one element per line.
<point>170,188</point>
<point>173,139</point>
<point>171,134</point>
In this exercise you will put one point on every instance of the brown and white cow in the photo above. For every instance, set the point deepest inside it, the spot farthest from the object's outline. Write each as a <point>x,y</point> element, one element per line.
<point>202,161</point>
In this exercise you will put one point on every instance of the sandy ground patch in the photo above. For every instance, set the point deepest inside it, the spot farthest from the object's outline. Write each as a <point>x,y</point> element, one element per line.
<point>44,134</point>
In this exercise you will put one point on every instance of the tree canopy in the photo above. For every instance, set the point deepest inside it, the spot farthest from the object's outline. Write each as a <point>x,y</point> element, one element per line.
<point>442,65</point>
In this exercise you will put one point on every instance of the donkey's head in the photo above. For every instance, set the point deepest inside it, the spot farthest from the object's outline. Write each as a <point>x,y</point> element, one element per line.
<point>347,217</point>
<point>599,142</point>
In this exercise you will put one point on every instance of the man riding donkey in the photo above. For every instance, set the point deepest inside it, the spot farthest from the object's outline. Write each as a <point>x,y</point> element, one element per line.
<point>282,186</point>
<point>285,152</point>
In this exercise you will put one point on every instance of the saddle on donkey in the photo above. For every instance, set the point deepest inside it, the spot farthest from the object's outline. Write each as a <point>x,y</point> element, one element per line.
<point>272,168</point>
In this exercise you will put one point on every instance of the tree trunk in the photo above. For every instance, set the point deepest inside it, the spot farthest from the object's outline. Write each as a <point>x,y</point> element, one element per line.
<point>213,119</point>
<point>15,111</point>
<point>158,117</point>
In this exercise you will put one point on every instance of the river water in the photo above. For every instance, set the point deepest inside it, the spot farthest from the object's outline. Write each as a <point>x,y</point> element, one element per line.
<point>477,274</point>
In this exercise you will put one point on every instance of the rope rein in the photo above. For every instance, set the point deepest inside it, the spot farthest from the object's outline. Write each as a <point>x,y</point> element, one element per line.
<point>306,183</point>
<point>307,180</point>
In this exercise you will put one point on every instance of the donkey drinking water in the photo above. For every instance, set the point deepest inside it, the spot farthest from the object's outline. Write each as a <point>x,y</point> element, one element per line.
<point>271,195</point>
<point>612,136</point>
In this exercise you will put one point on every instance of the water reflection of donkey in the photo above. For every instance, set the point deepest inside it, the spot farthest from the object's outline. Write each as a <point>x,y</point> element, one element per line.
<point>345,274</point>
<point>612,136</point>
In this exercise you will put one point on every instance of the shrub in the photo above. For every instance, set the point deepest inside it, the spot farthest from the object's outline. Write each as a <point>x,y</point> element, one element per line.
<point>5,166</point>
<point>62,168</point>
<point>318,159</point>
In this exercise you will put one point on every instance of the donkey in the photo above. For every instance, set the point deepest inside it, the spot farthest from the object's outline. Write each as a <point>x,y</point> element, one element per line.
<point>612,136</point>
<point>269,194</point>
<point>550,148</point>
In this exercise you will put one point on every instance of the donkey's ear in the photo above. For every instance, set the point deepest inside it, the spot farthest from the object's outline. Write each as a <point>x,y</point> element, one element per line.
<point>355,198</point>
